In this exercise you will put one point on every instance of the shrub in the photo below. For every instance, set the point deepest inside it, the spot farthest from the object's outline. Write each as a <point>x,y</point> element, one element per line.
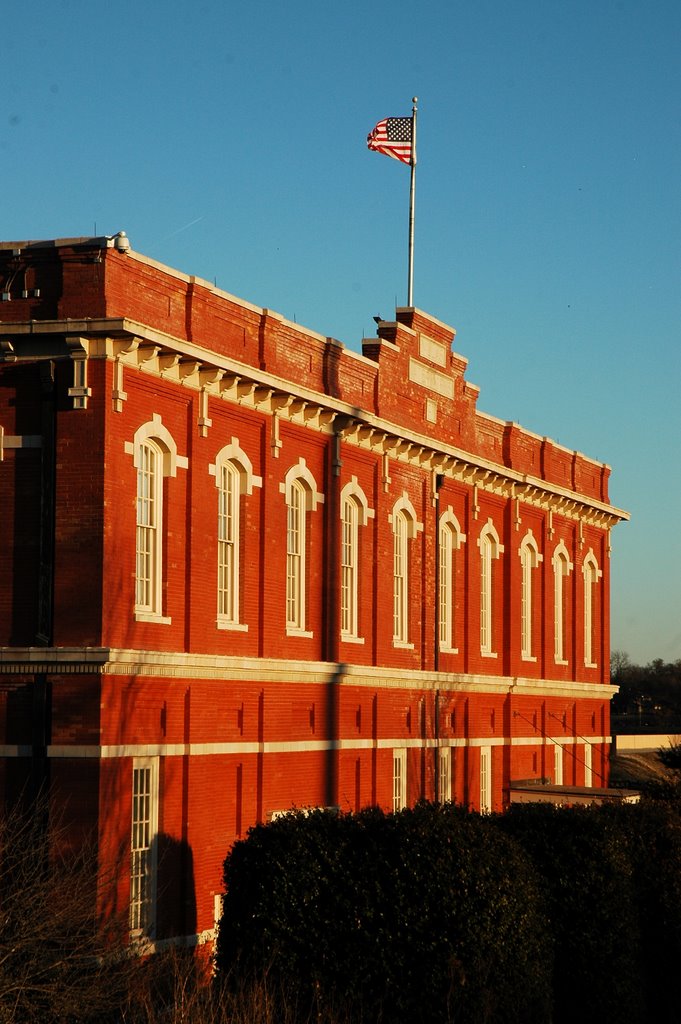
<point>584,858</point>
<point>426,915</point>
<point>652,830</point>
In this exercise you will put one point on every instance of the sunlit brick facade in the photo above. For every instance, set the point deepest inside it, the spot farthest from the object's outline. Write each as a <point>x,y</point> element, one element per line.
<point>243,569</point>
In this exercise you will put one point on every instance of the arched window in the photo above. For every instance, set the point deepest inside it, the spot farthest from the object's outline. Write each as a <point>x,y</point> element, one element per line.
<point>562,567</point>
<point>228,543</point>
<point>591,576</point>
<point>302,498</point>
<point>296,529</point>
<point>450,540</point>
<point>234,477</point>
<point>405,527</point>
<point>155,457</point>
<point>529,560</point>
<point>400,578</point>
<point>149,542</point>
<point>490,549</point>
<point>354,513</point>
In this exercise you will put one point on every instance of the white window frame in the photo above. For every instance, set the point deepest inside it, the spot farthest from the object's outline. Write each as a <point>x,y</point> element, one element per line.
<point>562,567</point>
<point>143,847</point>
<point>300,491</point>
<point>149,530</point>
<point>558,763</point>
<point>450,539</point>
<point>400,578</point>
<point>588,766</point>
<point>354,512</point>
<point>490,549</point>
<point>155,457</point>
<point>349,567</point>
<point>591,574</point>
<point>296,537</point>
<point>399,778</point>
<point>229,504</point>
<point>233,473</point>
<point>405,527</point>
<point>529,561</point>
<point>486,780</point>
<point>444,778</point>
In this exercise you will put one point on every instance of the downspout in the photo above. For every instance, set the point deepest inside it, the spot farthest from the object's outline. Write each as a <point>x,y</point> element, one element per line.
<point>44,625</point>
<point>439,478</point>
<point>41,712</point>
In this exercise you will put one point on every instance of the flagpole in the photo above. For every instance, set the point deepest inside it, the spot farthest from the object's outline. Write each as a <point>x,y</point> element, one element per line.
<point>412,191</point>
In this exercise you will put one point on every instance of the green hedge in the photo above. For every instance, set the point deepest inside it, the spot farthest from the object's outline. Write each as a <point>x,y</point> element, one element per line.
<point>436,914</point>
<point>427,915</point>
<point>652,831</point>
<point>584,860</point>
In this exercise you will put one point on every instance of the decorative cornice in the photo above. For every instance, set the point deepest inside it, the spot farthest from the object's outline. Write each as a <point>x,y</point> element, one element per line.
<point>138,346</point>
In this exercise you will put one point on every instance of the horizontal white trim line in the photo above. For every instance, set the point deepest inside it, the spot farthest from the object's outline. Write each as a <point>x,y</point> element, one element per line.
<point>180,665</point>
<point>248,748</point>
<point>560,741</point>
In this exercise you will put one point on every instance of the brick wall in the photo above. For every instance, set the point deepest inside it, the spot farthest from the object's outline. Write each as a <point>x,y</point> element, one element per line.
<point>250,720</point>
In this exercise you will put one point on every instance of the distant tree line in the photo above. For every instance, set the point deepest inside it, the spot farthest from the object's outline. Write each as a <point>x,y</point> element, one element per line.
<point>649,699</point>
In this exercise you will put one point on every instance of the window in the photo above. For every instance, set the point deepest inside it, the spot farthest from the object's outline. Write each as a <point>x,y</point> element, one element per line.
<point>302,498</point>
<point>591,576</point>
<point>228,543</point>
<point>149,529</point>
<point>349,560</point>
<point>444,774</point>
<point>400,579</point>
<point>403,519</point>
<point>154,457</point>
<point>449,540</point>
<point>490,549</point>
<point>233,474</point>
<point>588,770</point>
<point>485,780</point>
<point>295,557</point>
<point>558,765</point>
<point>562,567</point>
<point>354,513</point>
<point>143,846</point>
<point>529,560</point>
<point>399,779</point>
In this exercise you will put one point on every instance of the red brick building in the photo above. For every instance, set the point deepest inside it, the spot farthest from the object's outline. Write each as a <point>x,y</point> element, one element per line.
<point>243,568</point>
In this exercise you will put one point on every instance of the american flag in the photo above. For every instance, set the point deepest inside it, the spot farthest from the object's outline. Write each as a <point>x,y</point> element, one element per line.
<point>392,136</point>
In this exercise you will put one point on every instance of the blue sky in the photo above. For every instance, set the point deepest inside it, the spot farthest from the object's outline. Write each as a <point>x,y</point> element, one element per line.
<point>228,140</point>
